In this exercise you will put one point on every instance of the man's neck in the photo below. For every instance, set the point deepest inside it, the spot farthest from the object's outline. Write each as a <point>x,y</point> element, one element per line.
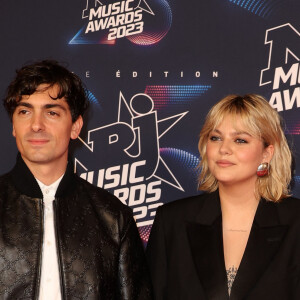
<point>47,173</point>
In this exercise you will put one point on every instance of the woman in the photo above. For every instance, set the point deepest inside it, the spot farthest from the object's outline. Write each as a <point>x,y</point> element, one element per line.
<point>240,239</point>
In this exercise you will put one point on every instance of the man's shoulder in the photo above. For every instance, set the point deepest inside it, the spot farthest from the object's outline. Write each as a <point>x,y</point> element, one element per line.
<point>8,189</point>
<point>102,198</point>
<point>5,180</point>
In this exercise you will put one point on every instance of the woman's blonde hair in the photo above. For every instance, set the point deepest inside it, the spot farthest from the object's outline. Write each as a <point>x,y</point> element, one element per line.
<point>263,122</point>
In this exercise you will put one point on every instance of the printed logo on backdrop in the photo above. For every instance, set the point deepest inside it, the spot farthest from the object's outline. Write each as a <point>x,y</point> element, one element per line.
<point>132,144</point>
<point>142,22</point>
<point>283,69</point>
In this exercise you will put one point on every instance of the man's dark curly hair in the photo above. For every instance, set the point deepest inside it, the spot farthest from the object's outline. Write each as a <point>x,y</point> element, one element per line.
<point>49,72</point>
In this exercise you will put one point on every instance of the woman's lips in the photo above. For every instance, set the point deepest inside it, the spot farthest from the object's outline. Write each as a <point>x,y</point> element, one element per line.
<point>224,163</point>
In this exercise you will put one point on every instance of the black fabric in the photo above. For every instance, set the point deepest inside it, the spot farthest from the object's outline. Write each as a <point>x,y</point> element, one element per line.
<point>99,249</point>
<point>25,182</point>
<point>186,257</point>
<point>23,179</point>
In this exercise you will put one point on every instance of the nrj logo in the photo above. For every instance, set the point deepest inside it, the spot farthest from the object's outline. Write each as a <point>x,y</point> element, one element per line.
<point>106,21</point>
<point>135,170</point>
<point>283,70</point>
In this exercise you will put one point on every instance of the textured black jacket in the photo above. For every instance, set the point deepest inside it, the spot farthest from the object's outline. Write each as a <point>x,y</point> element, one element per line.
<point>186,256</point>
<point>100,253</point>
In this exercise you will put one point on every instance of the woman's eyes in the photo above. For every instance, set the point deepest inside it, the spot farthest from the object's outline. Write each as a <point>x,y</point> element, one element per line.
<point>215,138</point>
<point>241,141</point>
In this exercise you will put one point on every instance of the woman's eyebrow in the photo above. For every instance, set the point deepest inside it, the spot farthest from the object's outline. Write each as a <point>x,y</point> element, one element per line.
<point>233,133</point>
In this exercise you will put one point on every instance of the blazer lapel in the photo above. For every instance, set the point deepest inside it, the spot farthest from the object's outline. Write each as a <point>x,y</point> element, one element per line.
<point>264,241</point>
<point>206,243</point>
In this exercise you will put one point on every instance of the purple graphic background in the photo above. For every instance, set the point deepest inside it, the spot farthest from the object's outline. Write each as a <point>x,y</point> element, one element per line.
<point>150,92</point>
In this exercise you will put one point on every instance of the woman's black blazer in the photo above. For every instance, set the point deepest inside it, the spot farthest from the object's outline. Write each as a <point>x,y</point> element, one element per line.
<point>186,258</point>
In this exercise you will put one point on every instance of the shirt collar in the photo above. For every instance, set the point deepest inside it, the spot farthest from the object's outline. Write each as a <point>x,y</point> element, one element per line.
<point>52,187</point>
<point>25,182</point>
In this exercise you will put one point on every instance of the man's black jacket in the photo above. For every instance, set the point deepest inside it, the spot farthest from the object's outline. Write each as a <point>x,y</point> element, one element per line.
<point>99,250</point>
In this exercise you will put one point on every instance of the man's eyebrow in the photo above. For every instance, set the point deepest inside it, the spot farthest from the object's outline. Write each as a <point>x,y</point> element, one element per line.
<point>24,104</point>
<point>46,106</point>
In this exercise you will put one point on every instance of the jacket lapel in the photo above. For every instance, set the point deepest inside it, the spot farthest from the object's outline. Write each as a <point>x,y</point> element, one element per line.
<point>264,241</point>
<point>206,243</point>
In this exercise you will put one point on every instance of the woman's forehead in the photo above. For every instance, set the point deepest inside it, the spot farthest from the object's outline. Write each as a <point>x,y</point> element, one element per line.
<point>237,123</point>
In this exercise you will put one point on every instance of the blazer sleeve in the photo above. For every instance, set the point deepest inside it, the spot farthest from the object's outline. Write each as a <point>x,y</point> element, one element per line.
<point>157,258</point>
<point>134,278</point>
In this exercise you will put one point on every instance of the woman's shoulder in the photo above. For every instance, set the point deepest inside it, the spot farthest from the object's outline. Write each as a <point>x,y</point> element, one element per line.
<point>187,206</point>
<point>291,202</point>
<point>289,208</point>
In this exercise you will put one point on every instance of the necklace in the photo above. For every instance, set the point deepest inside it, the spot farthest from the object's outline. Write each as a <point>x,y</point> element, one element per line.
<point>237,230</point>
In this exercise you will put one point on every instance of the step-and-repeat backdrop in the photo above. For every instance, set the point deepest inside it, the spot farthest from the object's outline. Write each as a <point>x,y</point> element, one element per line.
<point>152,69</point>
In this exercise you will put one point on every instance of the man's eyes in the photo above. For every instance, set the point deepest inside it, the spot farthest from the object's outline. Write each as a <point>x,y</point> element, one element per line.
<point>23,112</point>
<point>53,113</point>
<point>50,113</point>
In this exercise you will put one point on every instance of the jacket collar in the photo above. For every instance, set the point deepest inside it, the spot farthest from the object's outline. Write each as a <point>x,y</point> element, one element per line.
<point>206,243</point>
<point>210,210</point>
<point>25,182</point>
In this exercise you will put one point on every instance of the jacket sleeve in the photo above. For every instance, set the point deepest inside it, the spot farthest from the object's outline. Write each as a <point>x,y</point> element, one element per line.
<point>134,279</point>
<point>157,258</point>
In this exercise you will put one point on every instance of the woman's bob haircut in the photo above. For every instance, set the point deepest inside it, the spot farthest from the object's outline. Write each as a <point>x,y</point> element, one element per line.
<point>263,122</point>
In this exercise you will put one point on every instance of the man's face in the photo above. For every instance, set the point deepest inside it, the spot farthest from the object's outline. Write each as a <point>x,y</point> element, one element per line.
<point>43,127</point>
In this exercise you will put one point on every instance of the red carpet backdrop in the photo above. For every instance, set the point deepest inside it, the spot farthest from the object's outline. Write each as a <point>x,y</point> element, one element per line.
<point>152,69</point>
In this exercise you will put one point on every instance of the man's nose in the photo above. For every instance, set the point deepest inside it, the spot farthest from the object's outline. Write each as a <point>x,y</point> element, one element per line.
<point>37,122</point>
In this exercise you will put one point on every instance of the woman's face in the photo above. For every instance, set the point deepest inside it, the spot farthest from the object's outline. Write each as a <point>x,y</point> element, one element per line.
<point>233,154</point>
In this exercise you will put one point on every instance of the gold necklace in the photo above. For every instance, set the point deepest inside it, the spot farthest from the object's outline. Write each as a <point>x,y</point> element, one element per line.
<point>237,230</point>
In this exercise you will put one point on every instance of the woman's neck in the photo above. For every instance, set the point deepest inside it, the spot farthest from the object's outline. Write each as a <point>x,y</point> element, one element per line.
<point>238,208</point>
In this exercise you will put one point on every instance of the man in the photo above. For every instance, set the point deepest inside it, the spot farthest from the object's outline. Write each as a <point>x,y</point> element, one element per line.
<point>60,237</point>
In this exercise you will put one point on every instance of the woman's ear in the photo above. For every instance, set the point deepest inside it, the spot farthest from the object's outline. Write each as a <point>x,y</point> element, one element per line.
<point>268,153</point>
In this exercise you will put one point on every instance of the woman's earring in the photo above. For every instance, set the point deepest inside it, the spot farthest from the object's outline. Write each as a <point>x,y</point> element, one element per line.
<point>263,170</point>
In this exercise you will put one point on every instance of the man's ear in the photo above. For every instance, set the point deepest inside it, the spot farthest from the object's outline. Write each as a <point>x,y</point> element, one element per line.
<point>76,128</point>
<point>14,131</point>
